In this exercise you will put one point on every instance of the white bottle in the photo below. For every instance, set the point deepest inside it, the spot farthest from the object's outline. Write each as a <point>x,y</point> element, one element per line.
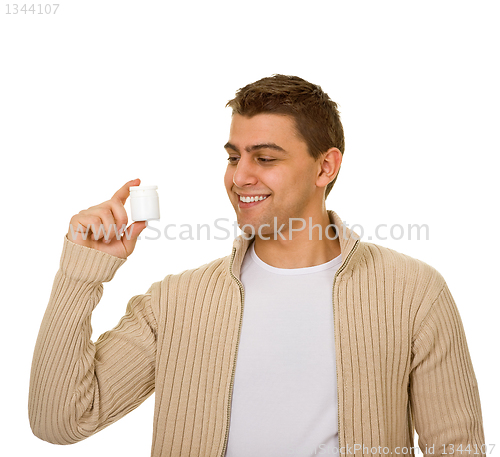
<point>144,203</point>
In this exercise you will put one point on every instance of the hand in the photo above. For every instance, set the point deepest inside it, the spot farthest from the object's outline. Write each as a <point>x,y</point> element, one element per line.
<point>104,227</point>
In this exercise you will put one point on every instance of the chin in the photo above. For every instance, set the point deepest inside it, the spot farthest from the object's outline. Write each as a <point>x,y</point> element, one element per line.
<point>247,224</point>
<point>252,228</point>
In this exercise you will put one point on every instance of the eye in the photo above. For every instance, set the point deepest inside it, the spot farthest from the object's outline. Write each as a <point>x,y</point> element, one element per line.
<point>234,159</point>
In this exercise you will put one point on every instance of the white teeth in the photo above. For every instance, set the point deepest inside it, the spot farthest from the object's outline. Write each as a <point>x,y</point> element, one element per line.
<point>252,199</point>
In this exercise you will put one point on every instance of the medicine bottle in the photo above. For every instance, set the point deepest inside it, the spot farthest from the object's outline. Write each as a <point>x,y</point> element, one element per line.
<point>144,203</point>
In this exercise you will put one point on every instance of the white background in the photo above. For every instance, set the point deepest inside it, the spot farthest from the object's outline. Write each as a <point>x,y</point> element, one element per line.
<point>104,92</point>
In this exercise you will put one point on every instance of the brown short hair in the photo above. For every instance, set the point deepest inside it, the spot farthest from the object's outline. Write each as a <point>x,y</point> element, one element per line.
<point>316,116</point>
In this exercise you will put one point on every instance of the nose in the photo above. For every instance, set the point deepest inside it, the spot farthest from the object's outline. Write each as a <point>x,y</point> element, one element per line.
<point>244,174</point>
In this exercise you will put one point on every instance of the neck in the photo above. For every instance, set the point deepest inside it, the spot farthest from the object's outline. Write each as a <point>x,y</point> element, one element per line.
<point>310,246</point>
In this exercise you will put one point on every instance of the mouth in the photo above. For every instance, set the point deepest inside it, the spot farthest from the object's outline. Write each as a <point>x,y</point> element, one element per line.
<point>247,201</point>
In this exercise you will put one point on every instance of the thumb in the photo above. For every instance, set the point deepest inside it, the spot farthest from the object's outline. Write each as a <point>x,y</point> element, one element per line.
<point>129,237</point>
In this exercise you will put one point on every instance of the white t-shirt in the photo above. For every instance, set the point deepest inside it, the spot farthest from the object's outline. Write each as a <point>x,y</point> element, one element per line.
<point>285,387</point>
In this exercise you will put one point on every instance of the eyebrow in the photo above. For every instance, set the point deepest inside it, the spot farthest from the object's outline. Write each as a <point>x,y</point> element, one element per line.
<point>256,147</point>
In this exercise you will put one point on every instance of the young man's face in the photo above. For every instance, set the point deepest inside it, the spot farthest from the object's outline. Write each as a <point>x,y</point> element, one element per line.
<point>268,159</point>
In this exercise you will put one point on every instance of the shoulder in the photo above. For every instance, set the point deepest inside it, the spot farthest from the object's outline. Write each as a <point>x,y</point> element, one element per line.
<point>409,281</point>
<point>390,258</point>
<point>381,260</point>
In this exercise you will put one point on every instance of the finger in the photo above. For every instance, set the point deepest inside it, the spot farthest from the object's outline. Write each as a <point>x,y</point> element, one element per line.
<point>99,221</point>
<point>107,229</point>
<point>84,224</point>
<point>119,214</point>
<point>123,193</point>
<point>129,238</point>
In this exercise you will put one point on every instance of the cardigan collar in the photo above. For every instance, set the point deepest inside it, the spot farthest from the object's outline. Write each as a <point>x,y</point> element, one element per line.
<point>348,241</point>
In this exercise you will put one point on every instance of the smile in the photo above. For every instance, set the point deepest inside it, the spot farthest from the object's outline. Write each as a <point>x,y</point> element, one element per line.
<point>250,200</point>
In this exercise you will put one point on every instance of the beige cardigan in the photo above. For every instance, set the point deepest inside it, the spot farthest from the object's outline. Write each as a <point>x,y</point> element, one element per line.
<point>402,357</point>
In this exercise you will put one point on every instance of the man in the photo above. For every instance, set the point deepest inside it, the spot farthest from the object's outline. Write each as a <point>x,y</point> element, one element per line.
<point>304,341</point>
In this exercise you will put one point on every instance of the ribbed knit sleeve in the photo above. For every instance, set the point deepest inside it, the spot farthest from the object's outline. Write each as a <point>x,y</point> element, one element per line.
<point>78,387</point>
<point>444,394</point>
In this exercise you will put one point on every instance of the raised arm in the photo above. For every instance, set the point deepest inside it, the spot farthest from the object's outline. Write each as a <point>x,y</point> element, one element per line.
<point>78,387</point>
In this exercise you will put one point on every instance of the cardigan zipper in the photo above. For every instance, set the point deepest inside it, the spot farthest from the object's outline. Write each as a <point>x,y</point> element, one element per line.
<point>242,292</point>
<point>342,267</point>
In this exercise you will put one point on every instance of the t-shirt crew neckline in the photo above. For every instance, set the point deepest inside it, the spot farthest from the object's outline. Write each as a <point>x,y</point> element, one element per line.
<point>294,271</point>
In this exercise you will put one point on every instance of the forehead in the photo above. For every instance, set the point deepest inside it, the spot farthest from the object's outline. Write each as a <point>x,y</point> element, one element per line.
<point>263,127</point>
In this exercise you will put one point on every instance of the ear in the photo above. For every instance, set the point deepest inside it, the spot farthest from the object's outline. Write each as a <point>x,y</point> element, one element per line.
<point>329,166</point>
